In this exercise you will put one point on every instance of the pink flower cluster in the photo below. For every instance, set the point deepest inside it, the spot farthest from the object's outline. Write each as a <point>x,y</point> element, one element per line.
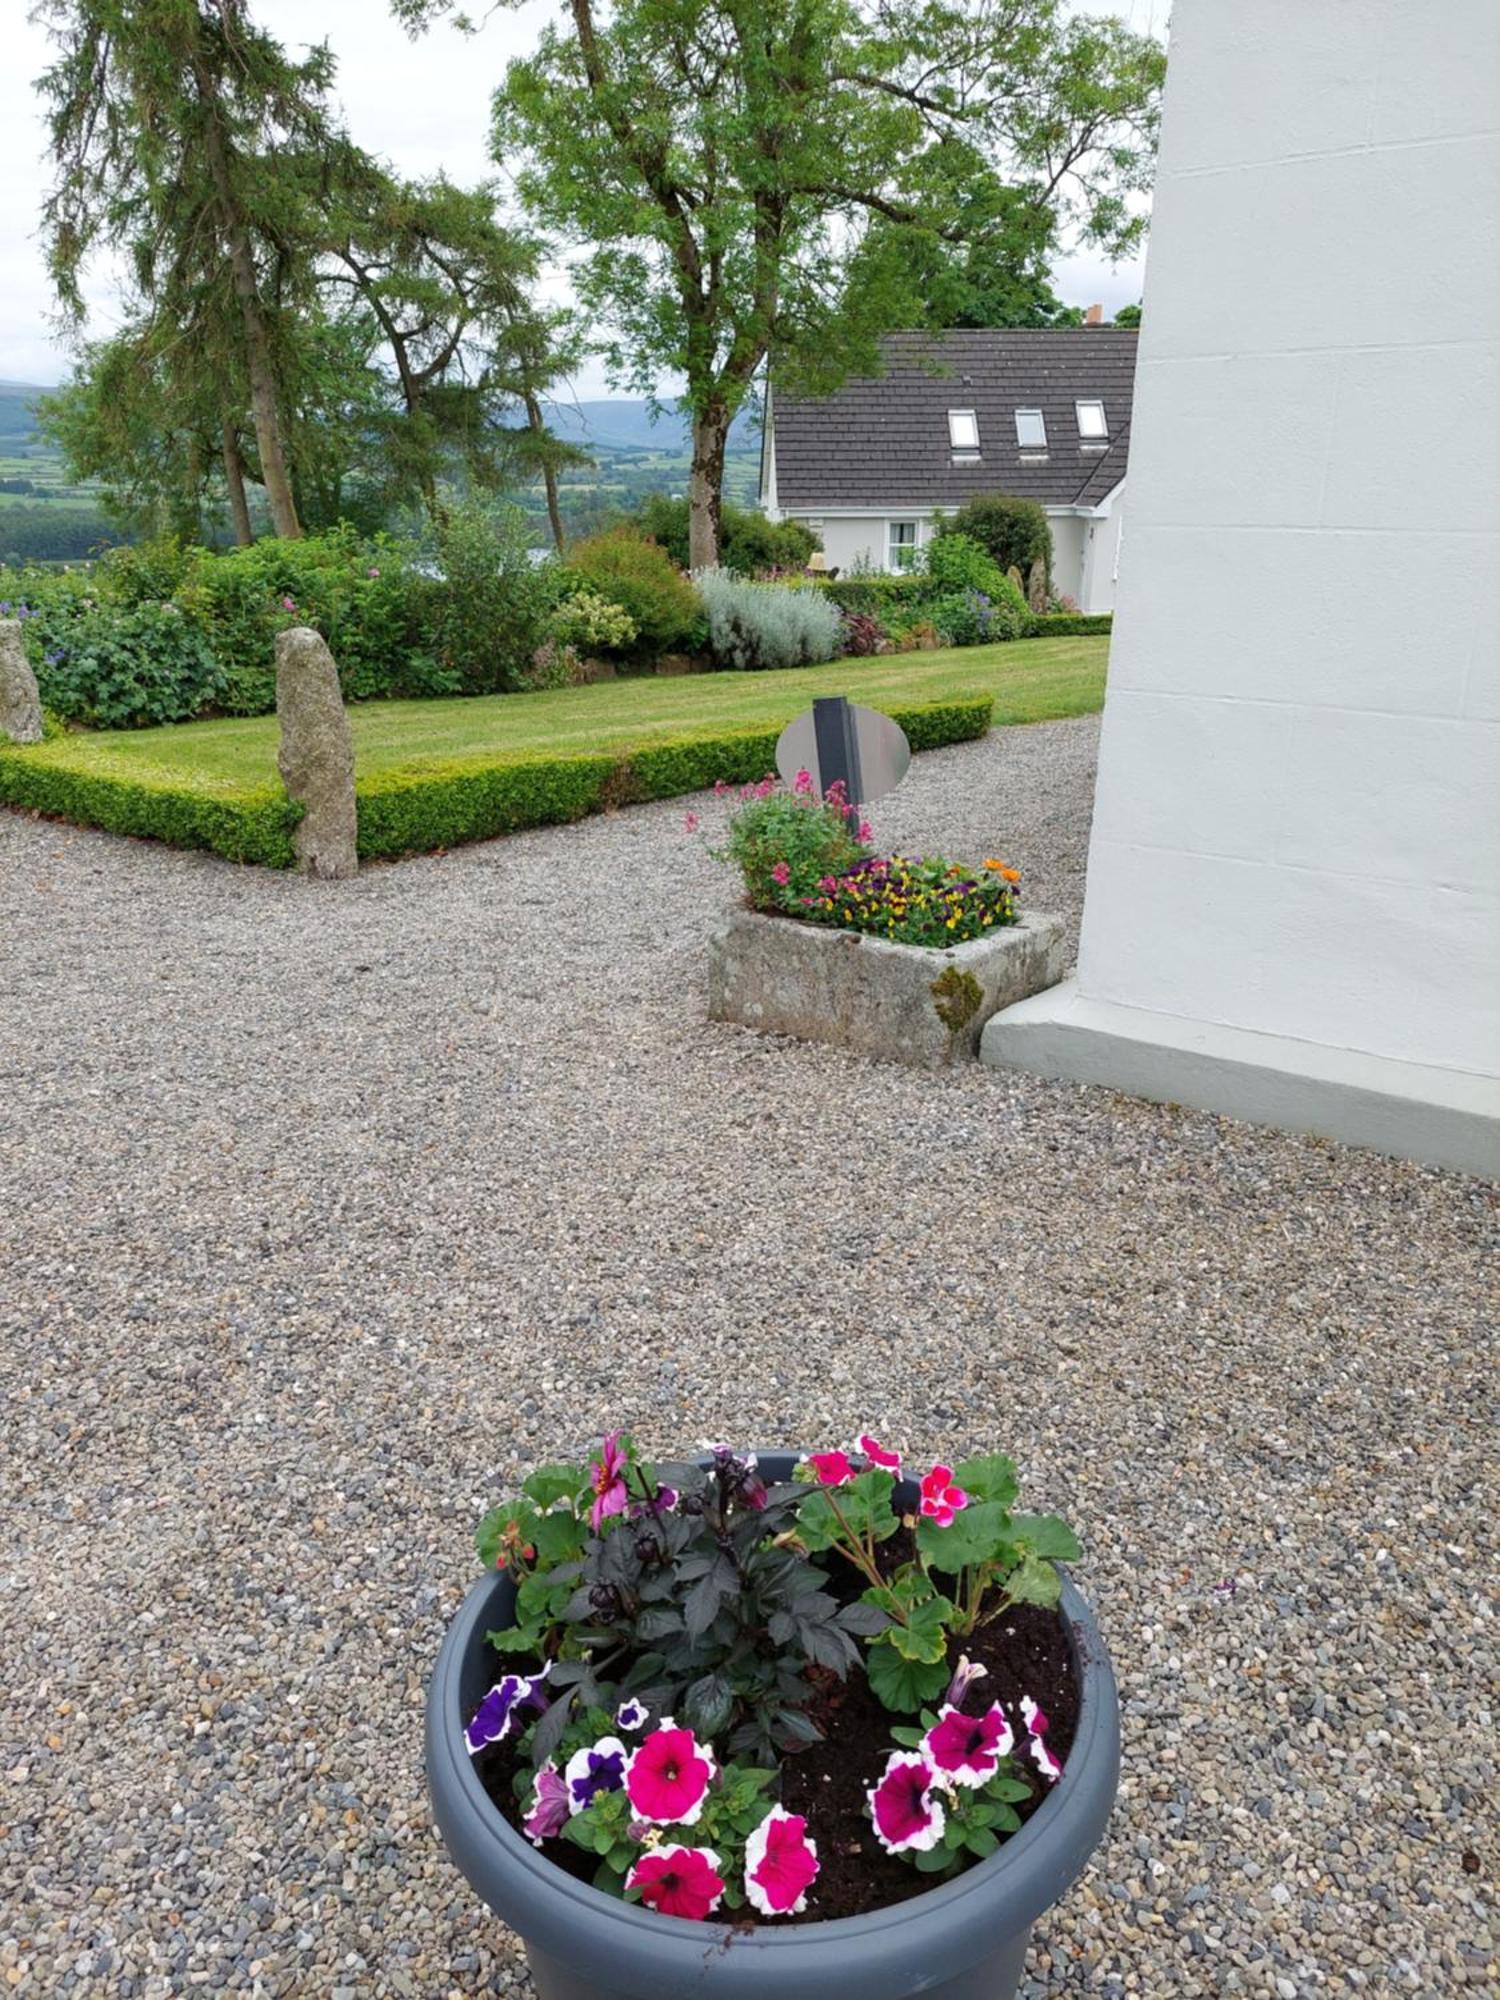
<point>941,1498</point>
<point>906,1806</point>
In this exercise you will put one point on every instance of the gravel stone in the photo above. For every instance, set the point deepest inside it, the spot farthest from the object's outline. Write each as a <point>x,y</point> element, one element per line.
<point>327,1209</point>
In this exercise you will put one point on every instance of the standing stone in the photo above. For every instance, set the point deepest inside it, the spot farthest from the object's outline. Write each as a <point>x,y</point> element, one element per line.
<point>316,757</point>
<point>1036,586</point>
<point>20,703</point>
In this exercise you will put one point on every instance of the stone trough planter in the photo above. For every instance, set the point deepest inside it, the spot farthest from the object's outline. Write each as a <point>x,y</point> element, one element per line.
<point>903,1003</point>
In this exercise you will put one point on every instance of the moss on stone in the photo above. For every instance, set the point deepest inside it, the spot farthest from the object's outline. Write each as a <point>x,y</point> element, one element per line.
<point>956,996</point>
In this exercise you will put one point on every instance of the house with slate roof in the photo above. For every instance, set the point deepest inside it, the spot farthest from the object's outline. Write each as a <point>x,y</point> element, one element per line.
<point>1042,413</point>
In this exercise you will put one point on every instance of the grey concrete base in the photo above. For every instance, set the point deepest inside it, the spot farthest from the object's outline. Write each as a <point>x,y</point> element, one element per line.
<point>901,1002</point>
<point>1446,1118</point>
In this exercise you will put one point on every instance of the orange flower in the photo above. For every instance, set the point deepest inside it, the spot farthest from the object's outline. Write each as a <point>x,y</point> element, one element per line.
<point>999,867</point>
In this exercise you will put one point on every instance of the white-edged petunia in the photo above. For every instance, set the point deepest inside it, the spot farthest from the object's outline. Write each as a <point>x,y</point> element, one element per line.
<point>967,1748</point>
<point>906,1817</point>
<point>781,1864</point>
<point>491,1721</point>
<point>668,1775</point>
<point>631,1715</point>
<point>598,1767</point>
<point>1036,1730</point>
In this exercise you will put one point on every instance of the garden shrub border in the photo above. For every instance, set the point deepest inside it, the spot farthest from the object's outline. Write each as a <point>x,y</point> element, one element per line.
<point>431,803</point>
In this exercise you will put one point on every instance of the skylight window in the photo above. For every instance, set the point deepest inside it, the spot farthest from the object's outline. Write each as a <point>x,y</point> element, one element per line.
<point>963,430</point>
<point>1092,422</point>
<point>1031,430</point>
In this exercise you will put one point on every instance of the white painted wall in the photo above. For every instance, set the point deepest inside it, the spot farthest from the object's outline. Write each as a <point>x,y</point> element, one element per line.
<point>1297,826</point>
<point>1082,550</point>
<point>1101,559</point>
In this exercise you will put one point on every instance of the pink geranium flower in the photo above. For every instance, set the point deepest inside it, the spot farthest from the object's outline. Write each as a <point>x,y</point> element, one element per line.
<point>781,1864</point>
<point>906,1817</point>
<point>1036,1730</point>
<point>781,874</point>
<point>967,1748</point>
<point>832,1467</point>
<point>804,783</point>
<point>941,1499</point>
<point>607,1477</point>
<point>866,831</point>
<point>668,1776</point>
<point>550,1808</point>
<point>679,1881</point>
<point>888,1461</point>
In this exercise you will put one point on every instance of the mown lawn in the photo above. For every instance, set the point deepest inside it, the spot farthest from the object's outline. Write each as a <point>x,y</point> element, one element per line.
<point>1032,680</point>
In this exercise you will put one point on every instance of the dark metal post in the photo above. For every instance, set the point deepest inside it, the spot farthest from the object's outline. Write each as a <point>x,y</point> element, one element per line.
<point>837,746</point>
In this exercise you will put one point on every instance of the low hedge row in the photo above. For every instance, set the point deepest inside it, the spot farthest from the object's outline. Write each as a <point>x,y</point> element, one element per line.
<point>428,804</point>
<point>1069,624</point>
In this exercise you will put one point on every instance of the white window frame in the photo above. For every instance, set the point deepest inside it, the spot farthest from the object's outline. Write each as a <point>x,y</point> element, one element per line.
<point>1100,436</point>
<point>892,545</point>
<point>964,421</point>
<point>1036,443</point>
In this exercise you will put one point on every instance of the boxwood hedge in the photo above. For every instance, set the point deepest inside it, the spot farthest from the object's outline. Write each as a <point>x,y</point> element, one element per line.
<point>430,803</point>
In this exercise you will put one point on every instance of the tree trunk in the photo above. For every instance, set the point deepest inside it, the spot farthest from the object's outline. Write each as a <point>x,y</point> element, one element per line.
<point>549,472</point>
<point>265,400</point>
<point>706,485</point>
<point>234,479</point>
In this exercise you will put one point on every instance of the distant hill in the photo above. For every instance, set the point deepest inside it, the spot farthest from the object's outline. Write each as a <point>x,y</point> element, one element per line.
<point>623,425</point>
<point>17,416</point>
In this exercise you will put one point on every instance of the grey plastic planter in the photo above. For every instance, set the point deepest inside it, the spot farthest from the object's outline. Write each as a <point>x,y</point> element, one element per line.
<point>965,1940</point>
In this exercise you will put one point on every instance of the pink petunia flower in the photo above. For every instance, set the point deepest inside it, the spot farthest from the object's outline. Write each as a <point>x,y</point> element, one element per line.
<point>550,1810</point>
<point>781,874</point>
<point>906,1817</point>
<point>668,1776</point>
<point>607,1477</point>
<point>781,1864</point>
<point>679,1881</point>
<point>967,1748</point>
<point>888,1461</point>
<point>941,1499</point>
<point>1036,1730</point>
<point>832,1467</point>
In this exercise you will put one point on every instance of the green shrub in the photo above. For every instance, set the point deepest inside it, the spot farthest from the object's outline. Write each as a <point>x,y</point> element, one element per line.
<point>1013,531</point>
<point>877,595</point>
<point>143,573</point>
<point>121,667</point>
<point>487,608</point>
<point>641,577</point>
<point>592,623</point>
<point>1068,624</point>
<point>748,542</point>
<point>785,843</point>
<point>957,562</point>
<point>767,625</point>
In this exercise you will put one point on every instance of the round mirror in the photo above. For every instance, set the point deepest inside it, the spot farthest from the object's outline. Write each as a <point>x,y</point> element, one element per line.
<point>837,739</point>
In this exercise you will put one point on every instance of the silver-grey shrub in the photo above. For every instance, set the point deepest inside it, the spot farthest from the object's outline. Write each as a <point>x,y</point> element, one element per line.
<point>767,624</point>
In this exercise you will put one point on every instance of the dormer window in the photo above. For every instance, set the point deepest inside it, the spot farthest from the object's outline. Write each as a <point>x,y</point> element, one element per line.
<point>1031,430</point>
<point>963,433</point>
<point>1093,426</point>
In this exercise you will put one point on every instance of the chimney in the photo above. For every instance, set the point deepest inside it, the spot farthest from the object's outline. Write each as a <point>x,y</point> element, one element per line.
<point>1093,315</point>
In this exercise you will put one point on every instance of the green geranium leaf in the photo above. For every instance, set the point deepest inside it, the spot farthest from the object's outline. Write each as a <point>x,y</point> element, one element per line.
<point>1033,1581</point>
<point>516,1639</point>
<point>979,1534</point>
<point>551,1483</point>
<point>990,1478</point>
<point>1045,1535</point>
<point>918,1642</point>
<point>903,1685</point>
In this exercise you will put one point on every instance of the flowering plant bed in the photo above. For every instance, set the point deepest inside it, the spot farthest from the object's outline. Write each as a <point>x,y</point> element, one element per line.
<point>723,1691</point>
<point>899,956</point>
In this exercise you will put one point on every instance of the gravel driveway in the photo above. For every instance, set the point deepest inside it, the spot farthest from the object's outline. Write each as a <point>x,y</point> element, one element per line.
<point>326,1209</point>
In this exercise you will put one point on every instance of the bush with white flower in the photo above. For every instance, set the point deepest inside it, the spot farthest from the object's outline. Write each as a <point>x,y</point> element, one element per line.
<point>690,1640</point>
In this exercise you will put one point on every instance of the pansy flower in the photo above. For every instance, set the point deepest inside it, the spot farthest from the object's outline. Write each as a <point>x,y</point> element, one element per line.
<point>679,1881</point>
<point>607,1477</point>
<point>906,1817</point>
<point>967,1748</point>
<point>876,1453</point>
<point>781,1864</point>
<point>501,1707</point>
<point>941,1499</point>
<point>631,1715</point>
<point>832,1467</point>
<point>668,1775</point>
<point>598,1767</point>
<point>550,1810</point>
<point>1036,1730</point>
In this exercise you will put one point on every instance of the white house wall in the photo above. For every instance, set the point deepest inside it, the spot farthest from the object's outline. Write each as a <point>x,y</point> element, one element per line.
<point>1296,831</point>
<point>853,542</point>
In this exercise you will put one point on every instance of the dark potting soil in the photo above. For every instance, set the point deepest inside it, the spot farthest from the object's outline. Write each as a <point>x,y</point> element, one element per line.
<point>1025,1651</point>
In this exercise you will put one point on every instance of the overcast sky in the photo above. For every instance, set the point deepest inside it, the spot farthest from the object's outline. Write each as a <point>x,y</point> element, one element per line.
<point>423,105</point>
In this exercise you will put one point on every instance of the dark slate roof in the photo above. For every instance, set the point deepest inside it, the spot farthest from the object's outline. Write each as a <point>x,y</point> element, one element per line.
<point>882,440</point>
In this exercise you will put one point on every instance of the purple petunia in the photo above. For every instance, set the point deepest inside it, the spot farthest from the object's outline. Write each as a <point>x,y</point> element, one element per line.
<point>598,1767</point>
<point>550,1810</point>
<point>502,1706</point>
